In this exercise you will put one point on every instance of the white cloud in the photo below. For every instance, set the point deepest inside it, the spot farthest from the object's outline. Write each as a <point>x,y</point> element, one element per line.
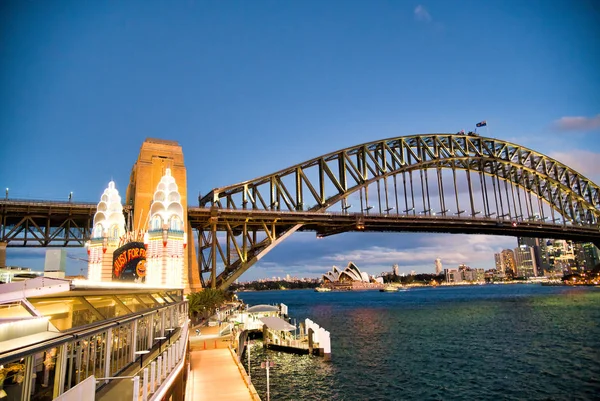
<point>577,123</point>
<point>474,250</point>
<point>421,14</point>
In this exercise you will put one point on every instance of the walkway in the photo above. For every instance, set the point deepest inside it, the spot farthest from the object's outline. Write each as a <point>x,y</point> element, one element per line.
<point>213,374</point>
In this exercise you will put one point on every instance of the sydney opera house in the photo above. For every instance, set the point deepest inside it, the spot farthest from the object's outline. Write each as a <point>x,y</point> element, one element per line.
<point>351,278</point>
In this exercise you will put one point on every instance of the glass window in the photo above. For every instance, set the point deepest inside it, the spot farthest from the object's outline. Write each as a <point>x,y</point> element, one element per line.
<point>12,377</point>
<point>148,300</point>
<point>160,298</point>
<point>107,306</point>
<point>66,313</point>
<point>156,222</point>
<point>132,303</point>
<point>175,223</point>
<point>13,310</point>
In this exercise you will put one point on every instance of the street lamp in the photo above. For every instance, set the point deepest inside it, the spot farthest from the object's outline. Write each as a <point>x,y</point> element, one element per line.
<point>70,196</point>
<point>7,193</point>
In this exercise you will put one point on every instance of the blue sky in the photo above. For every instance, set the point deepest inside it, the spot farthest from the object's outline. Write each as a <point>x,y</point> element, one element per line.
<point>249,88</point>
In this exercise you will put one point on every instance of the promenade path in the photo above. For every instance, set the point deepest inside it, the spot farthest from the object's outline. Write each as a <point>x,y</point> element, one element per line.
<point>214,375</point>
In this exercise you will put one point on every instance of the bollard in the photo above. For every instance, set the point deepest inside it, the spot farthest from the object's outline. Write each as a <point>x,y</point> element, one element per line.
<point>204,344</point>
<point>215,344</point>
<point>136,388</point>
<point>145,384</point>
<point>153,376</point>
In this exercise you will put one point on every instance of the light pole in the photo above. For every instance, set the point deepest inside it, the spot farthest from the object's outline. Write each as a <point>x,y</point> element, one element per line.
<point>70,196</point>
<point>267,365</point>
<point>249,374</point>
<point>6,193</point>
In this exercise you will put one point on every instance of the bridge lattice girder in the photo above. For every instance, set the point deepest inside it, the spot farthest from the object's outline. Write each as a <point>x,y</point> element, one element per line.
<point>42,224</point>
<point>322,182</point>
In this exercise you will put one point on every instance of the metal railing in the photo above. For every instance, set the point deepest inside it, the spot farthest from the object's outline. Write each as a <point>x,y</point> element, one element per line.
<point>153,381</point>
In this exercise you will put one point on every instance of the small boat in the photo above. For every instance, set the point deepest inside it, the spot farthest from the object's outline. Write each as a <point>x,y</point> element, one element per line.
<point>389,288</point>
<point>322,289</point>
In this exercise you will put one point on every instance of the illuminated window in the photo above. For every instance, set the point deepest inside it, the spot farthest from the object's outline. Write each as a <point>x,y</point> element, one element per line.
<point>175,223</point>
<point>156,222</point>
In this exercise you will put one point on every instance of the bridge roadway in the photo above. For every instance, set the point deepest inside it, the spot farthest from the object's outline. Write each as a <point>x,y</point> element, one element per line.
<point>330,223</point>
<point>40,223</point>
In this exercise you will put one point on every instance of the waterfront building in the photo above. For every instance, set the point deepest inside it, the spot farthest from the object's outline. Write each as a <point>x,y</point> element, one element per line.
<point>499,264</point>
<point>453,275</point>
<point>507,257</point>
<point>349,278</point>
<point>438,266</point>
<point>561,257</point>
<point>166,240</point>
<point>539,251</point>
<point>587,255</point>
<point>60,335</point>
<point>525,264</point>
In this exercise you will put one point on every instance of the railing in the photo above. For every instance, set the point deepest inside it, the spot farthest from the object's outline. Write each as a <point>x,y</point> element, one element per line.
<point>155,380</point>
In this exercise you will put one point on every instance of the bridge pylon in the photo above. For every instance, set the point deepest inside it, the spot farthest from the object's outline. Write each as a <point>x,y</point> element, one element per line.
<point>156,155</point>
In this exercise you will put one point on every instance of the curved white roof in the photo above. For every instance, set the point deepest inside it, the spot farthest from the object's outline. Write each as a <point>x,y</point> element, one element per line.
<point>351,271</point>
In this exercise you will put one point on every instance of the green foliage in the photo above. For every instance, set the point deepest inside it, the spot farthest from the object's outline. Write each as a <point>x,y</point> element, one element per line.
<point>274,285</point>
<point>204,303</point>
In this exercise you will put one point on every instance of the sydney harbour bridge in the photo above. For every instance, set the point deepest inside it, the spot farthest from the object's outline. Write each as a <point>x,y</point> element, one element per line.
<point>438,183</point>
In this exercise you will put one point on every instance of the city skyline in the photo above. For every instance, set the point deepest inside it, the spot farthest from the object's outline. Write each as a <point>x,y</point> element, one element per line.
<point>247,91</point>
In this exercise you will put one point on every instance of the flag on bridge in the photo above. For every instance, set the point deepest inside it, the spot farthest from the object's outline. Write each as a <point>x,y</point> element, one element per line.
<point>481,124</point>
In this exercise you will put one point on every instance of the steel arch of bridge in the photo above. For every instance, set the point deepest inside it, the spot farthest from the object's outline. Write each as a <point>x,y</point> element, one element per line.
<point>523,192</point>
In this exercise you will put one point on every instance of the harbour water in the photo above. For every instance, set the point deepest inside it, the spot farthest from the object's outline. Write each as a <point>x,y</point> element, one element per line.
<point>493,342</point>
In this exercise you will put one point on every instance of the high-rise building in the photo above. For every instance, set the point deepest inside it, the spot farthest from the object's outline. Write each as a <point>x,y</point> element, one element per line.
<point>395,268</point>
<point>540,253</point>
<point>586,255</point>
<point>498,262</point>
<point>438,266</point>
<point>525,264</point>
<point>561,257</point>
<point>507,257</point>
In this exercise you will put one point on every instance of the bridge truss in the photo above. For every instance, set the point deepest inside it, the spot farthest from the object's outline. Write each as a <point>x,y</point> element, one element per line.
<point>29,223</point>
<point>452,183</point>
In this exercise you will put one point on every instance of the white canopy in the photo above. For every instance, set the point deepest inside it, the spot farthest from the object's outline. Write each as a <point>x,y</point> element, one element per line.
<point>276,323</point>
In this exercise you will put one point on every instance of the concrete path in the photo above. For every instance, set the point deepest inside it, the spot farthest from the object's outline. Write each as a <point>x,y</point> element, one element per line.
<point>214,375</point>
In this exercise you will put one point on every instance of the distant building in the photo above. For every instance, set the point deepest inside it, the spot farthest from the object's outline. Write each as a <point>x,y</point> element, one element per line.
<point>438,266</point>
<point>587,255</point>
<point>349,278</point>
<point>453,275</point>
<point>508,262</point>
<point>395,268</point>
<point>525,263</point>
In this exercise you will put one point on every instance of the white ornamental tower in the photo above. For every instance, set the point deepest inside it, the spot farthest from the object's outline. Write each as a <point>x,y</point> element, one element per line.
<point>166,239</point>
<point>109,227</point>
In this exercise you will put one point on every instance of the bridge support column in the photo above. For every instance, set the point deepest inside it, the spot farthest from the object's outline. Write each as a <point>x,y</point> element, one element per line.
<point>3,253</point>
<point>213,273</point>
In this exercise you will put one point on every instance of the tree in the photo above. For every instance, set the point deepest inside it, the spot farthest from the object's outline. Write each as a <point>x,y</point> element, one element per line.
<point>205,302</point>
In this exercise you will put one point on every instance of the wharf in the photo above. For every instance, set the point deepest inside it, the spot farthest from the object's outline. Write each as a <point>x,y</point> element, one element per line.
<point>214,373</point>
